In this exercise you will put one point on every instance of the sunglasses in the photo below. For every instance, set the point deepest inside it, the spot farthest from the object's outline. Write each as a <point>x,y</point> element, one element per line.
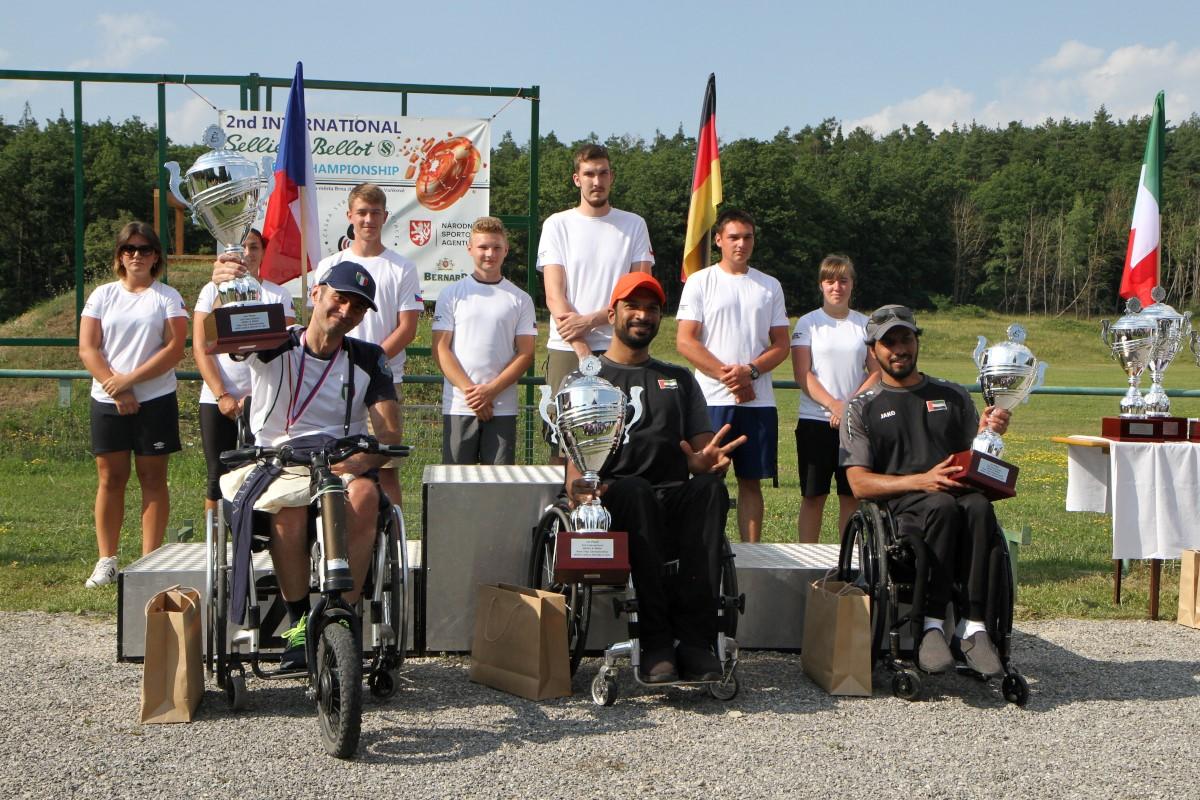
<point>883,315</point>
<point>140,249</point>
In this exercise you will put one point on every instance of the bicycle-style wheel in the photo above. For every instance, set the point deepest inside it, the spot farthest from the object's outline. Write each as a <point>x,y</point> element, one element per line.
<point>339,690</point>
<point>541,576</point>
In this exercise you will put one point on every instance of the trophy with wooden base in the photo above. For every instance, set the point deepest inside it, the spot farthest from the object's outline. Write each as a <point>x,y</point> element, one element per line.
<point>1139,340</point>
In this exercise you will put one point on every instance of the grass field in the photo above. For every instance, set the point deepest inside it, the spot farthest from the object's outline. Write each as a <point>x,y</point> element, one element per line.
<point>47,544</point>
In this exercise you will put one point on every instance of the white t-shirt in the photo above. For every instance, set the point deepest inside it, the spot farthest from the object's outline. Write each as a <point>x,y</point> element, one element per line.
<point>736,314</point>
<point>397,289</point>
<point>594,253</point>
<point>485,319</point>
<point>839,356</point>
<point>131,332</point>
<point>235,375</point>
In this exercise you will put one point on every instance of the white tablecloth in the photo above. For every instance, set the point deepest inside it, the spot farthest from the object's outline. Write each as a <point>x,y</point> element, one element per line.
<point>1151,489</point>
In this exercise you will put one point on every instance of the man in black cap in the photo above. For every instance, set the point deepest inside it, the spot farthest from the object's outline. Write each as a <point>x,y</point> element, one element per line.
<point>896,444</point>
<point>321,383</point>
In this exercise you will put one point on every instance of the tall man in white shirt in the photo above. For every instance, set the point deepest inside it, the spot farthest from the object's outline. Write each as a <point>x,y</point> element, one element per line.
<point>398,295</point>
<point>733,328</point>
<point>582,253</point>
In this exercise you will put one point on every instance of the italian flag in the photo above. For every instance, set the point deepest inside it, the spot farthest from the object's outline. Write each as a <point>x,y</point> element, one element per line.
<point>1142,257</point>
<point>706,187</point>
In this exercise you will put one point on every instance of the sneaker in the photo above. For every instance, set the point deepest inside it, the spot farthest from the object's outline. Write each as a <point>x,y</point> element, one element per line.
<point>295,655</point>
<point>658,666</point>
<point>104,573</point>
<point>698,663</point>
<point>934,654</point>
<point>980,654</point>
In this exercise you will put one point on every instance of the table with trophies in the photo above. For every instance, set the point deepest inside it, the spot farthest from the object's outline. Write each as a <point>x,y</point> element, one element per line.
<point>1144,470</point>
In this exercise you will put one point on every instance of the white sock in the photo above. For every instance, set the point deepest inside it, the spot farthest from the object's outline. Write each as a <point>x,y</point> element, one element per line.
<point>933,622</point>
<point>973,628</point>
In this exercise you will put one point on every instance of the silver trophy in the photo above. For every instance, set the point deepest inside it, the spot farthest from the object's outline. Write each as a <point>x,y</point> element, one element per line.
<point>224,191</point>
<point>1196,347</point>
<point>589,422</point>
<point>1008,373</point>
<point>1131,341</point>
<point>1173,329</point>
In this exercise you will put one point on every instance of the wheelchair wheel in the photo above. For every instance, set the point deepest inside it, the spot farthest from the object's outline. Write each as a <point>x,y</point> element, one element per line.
<point>724,691</point>
<point>393,594</point>
<point>729,588</point>
<point>604,690</point>
<point>339,690</point>
<point>541,576</point>
<point>1015,689</point>
<point>210,588</point>
<point>217,597</point>
<point>865,536</point>
<point>235,690</point>
<point>906,684</point>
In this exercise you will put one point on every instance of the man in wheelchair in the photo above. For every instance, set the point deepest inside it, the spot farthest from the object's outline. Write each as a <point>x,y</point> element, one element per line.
<point>896,445</point>
<point>318,385</point>
<point>666,488</point>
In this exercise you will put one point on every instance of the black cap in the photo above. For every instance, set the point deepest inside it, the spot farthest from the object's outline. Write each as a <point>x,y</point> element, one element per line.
<point>348,277</point>
<point>887,317</point>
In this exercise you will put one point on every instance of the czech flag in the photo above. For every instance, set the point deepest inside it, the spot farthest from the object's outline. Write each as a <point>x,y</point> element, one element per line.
<point>292,207</point>
<point>706,187</point>
<point>1142,257</point>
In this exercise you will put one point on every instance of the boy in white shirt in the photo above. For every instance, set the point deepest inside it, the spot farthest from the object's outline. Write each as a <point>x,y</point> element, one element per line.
<point>733,328</point>
<point>484,330</point>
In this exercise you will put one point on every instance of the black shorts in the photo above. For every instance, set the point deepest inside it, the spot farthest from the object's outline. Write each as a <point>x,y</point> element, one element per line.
<point>217,434</point>
<point>817,448</point>
<point>152,431</point>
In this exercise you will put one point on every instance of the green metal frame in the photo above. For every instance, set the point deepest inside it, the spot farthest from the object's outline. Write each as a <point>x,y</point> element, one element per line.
<point>253,90</point>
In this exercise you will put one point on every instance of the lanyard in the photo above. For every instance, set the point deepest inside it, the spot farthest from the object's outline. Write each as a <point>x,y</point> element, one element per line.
<point>296,409</point>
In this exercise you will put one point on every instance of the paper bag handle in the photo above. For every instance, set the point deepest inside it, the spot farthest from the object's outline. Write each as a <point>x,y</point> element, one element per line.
<point>512,613</point>
<point>846,587</point>
<point>187,595</point>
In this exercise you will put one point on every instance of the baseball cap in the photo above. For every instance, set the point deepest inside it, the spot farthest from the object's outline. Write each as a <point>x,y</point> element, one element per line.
<point>630,282</point>
<point>348,277</point>
<point>887,317</point>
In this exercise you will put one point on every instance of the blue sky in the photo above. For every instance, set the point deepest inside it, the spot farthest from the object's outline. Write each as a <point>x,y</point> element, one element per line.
<point>632,67</point>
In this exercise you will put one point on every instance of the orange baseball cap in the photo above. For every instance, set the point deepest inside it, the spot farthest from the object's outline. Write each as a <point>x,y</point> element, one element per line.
<point>630,282</point>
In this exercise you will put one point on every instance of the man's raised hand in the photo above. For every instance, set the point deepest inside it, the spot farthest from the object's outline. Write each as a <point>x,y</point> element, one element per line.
<point>713,457</point>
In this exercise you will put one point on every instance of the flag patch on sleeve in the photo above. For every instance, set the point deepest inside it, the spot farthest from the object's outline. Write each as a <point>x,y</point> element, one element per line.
<point>935,405</point>
<point>668,383</point>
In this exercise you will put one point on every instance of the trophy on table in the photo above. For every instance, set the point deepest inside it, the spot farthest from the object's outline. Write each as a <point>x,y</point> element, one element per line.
<point>1008,374</point>
<point>224,192</point>
<point>1173,330</point>
<point>1138,340</point>
<point>589,421</point>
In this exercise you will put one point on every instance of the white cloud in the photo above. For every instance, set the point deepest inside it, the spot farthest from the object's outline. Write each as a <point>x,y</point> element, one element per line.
<point>937,108</point>
<point>186,124</point>
<point>1072,83</point>
<point>123,39</point>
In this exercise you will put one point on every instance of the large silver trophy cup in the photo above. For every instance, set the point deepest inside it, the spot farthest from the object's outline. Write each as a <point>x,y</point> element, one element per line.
<point>1008,374</point>
<point>1172,330</point>
<point>224,192</point>
<point>589,422</point>
<point>1131,341</point>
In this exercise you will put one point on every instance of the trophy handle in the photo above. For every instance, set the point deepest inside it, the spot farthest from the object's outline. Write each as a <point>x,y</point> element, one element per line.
<point>1105,325</point>
<point>980,347</point>
<point>544,409</point>
<point>268,169</point>
<point>172,168</point>
<point>1039,381</point>
<point>635,400</point>
<point>1196,345</point>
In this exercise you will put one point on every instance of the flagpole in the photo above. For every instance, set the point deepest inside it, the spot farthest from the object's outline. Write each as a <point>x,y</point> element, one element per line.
<point>303,304</point>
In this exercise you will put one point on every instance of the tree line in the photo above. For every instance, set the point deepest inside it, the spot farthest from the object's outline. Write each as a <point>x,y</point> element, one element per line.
<point>1018,219</point>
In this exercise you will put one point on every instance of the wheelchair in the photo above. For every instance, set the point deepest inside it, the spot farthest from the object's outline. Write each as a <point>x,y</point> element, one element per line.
<point>336,652</point>
<point>892,571</point>
<point>604,691</point>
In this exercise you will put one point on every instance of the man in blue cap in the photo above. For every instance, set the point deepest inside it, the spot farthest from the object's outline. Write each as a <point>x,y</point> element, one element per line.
<point>321,382</point>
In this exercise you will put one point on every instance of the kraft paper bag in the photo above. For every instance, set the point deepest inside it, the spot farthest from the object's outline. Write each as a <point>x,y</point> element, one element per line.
<point>836,647</point>
<point>520,642</point>
<point>1189,588</point>
<point>173,670</point>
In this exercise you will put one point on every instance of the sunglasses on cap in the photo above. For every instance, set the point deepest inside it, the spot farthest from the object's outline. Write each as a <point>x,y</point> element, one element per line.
<point>140,249</point>
<point>882,315</point>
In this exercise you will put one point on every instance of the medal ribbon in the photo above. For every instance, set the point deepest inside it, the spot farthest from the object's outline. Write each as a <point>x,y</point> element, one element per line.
<point>293,418</point>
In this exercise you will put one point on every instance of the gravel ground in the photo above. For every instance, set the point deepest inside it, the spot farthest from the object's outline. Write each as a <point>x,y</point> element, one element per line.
<point>1114,712</point>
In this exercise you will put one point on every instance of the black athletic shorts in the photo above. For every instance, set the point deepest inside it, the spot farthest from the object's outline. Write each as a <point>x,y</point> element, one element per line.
<point>218,433</point>
<point>817,458</point>
<point>152,431</point>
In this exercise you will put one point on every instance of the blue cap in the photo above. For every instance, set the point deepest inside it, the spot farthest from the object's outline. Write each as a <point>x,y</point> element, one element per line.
<point>348,277</point>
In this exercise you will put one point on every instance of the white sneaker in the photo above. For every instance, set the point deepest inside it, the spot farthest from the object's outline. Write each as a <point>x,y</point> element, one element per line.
<point>104,573</point>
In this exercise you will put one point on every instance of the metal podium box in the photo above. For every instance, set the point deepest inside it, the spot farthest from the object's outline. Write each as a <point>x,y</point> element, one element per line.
<point>774,578</point>
<point>477,526</point>
<point>183,564</point>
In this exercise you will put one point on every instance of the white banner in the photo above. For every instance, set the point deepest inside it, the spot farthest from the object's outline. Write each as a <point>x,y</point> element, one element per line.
<point>434,171</point>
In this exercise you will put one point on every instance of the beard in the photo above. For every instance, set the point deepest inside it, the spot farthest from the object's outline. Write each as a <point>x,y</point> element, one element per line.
<point>636,339</point>
<point>899,373</point>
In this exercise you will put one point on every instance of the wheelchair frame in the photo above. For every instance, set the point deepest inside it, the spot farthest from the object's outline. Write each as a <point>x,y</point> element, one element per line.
<point>604,685</point>
<point>872,535</point>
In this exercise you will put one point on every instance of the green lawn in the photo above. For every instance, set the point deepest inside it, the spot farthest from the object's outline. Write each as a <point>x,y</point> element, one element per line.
<point>47,542</point>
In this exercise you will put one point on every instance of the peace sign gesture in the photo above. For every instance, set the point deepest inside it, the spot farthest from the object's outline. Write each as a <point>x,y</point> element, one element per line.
<point>711,456</point>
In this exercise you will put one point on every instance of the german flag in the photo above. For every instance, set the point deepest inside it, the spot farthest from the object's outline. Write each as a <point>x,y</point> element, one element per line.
<point>706,187</point>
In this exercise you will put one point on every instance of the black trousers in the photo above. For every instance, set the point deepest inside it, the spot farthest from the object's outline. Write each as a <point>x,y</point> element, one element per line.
<point>960,531</point>
<point>685,522</point>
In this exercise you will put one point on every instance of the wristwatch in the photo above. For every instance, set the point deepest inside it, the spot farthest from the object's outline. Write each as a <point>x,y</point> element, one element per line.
<point>754,373</point>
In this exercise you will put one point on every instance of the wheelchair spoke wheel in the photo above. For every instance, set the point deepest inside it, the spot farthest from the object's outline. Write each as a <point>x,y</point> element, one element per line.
<point>864,539</point>
<point>906,684</point>
<point>604,690</point>
<point>339,690</point>
<point>729,588</point>
<point>1015,689</point>
<point>394,597</point>
<point>541,576</point>
<point>726,690</point>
